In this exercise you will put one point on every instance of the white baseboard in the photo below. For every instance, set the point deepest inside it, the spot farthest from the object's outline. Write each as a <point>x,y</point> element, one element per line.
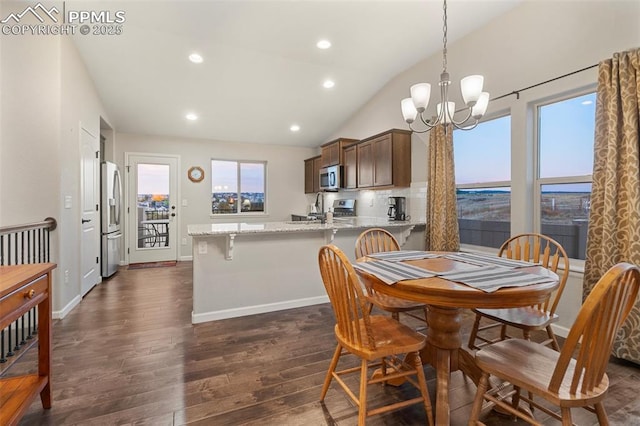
<point>185,259</point>
<point>63,313</point>
<point>257,309</point>
<point>560,331</point>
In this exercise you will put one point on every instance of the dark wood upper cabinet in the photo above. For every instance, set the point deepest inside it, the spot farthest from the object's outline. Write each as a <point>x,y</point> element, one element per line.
<point>332,152</point>
<point>384,160</point>
<point>312,175</point>
<point>350,167</point>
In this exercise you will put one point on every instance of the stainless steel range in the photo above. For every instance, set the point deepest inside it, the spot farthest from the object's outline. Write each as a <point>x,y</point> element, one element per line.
<point>344,208</point>
<point>341,208</point>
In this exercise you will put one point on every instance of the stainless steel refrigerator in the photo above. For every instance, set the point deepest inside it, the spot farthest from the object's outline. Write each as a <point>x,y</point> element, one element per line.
<point>111,212</point>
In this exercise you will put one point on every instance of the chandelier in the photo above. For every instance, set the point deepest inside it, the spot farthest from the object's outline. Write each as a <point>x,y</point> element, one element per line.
<point>471,86</point>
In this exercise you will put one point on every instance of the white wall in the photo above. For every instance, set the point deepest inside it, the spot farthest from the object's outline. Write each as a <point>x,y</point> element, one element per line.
<point>45,93</point>
<point>531,43</point>
<point>80,105</point>
<point>285,176</point>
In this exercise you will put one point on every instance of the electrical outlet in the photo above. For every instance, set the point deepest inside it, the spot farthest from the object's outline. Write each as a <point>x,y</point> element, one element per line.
<point>202,247</point>
<point>371,202</point>
<point>184,241</point>
<point>66,276</point>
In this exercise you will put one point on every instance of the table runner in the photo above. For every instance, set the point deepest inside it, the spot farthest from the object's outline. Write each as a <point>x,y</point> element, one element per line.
<point>492,278</point>
<point>392,272</point>
<point>487,260</point>
<point>401,255</point>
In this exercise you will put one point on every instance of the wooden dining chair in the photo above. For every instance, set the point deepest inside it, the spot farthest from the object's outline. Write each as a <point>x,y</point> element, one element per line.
<point>558,378</point>
<point>549,254</point>
<point>375,240</point>
<point>377,340</point>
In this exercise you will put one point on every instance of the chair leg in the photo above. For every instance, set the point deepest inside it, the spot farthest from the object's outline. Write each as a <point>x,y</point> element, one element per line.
<point>362,409</point>
<point>474,333</point>
<point>503,332</point>
<point>566,416</point>
<point>552,336</point>
<point>483,385</point>
<point>423,388</point>
<point>601,413</point>
<point>332,368</point>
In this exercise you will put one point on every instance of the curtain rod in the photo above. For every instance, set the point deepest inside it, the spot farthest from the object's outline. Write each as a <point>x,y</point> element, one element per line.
<point>517,92</point>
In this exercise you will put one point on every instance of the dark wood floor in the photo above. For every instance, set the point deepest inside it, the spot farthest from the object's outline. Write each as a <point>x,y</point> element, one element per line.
<point>128,354</point>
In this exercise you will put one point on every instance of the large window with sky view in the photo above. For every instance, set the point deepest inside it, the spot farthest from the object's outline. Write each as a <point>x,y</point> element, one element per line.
<point>238,186</point>
<point>483,182</point>
<point>565,165</point>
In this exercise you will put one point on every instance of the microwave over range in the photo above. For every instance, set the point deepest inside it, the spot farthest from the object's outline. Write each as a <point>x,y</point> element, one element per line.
<point>330,178</point>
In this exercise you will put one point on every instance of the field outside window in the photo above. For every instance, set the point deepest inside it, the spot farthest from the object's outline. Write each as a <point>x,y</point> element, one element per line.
<point>483,182</point>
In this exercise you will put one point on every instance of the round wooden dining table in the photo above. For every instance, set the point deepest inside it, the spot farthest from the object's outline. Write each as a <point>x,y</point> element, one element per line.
<point>446,300</point>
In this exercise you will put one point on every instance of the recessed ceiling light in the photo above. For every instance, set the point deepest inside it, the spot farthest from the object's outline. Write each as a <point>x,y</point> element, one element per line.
<point>328,84</point>
<point>587,102</point>
<point>196,58</point>
<point>191,116</point>
<point>294,128</point>
<point>323,44</point>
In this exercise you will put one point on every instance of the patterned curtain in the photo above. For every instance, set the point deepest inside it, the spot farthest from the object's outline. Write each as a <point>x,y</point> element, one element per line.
<point>614,222</point>
<point>442,216</point>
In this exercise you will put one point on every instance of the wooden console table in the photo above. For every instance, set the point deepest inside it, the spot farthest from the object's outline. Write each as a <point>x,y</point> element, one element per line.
<point>21,288</point>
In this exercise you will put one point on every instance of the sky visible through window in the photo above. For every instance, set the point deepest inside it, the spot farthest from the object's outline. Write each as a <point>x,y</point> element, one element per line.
<point>483,155</point>
<point>224,176</point>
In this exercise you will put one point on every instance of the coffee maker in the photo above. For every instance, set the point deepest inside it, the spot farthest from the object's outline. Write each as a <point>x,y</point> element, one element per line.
<point>397,208</point>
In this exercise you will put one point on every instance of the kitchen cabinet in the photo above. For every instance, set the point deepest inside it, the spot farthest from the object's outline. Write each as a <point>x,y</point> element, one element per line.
<point>350,167</point>
<point>23,287</point>
<point>332,152</point>
<point>384,160</point>
<point>312,175</point>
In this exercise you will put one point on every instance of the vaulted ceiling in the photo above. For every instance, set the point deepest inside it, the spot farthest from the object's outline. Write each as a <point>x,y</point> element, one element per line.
<point>262,71</point>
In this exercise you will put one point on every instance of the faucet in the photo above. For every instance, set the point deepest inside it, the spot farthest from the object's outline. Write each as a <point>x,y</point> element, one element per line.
<point>320,205</point>
<point>320,196</point>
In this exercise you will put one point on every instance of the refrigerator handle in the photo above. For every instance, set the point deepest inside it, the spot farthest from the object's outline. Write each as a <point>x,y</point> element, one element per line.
<point>117,194</point>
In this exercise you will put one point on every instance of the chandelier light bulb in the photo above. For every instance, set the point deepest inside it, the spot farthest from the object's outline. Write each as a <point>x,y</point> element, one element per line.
<point>471,88</point>
<point>409,111</point>
<point>480,107</point>
<point>420,93</point>
<point>447,114</point>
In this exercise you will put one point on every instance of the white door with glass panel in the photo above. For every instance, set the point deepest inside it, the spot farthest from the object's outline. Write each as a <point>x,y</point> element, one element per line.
<point>152,183</point>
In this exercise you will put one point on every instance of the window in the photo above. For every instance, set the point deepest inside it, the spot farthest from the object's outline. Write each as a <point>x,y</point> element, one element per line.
<point>238,186</point>
<point>565,164</point>
<point>483,182</point>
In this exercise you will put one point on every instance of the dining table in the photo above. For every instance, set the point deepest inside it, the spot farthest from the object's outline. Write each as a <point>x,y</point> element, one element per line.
<point>502,285</point>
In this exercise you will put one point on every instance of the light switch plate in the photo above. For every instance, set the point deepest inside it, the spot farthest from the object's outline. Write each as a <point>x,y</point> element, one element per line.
<point>67,201</point>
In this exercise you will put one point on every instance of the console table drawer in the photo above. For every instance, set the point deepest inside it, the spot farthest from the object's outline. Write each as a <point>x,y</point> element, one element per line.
<point>21,300</point>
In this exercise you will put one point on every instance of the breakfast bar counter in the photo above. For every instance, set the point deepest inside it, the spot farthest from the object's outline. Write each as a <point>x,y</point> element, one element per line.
<point>249,268</point>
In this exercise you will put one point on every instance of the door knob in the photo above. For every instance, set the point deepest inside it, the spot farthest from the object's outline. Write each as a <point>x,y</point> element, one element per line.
<point>86,220</point>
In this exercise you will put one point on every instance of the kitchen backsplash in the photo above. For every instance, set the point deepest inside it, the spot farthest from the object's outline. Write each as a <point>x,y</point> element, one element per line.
<point>376,203</point>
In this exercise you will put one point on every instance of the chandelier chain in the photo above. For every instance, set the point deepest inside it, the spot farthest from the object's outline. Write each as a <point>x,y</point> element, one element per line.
<point>444,37</point>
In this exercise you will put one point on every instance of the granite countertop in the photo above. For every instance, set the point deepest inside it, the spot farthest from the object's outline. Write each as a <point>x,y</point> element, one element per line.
<point>303,226</point>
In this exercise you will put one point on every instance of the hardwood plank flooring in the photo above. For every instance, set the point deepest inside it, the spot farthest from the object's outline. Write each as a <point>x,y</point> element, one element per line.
<point>129,355</point>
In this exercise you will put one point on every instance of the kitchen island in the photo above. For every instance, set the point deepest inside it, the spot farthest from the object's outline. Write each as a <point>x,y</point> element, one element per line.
<point>249,268</point>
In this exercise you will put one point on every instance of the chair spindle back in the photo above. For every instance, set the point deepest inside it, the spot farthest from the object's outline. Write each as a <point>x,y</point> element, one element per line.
<point>546,252</point>
<point>598,321</point>
<point>347,300</point>
<point>375,240</point>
